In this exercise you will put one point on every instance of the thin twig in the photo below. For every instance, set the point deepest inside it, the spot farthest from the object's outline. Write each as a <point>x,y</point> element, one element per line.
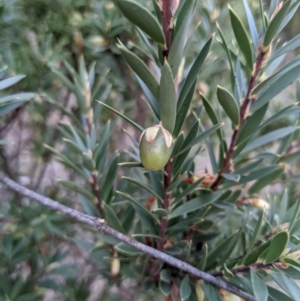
<point>100,224</point>
<point>243,269</point>
<point>243,115</point>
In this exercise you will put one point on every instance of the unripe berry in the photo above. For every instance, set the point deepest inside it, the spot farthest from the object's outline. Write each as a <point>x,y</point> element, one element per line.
<point>156,145</point>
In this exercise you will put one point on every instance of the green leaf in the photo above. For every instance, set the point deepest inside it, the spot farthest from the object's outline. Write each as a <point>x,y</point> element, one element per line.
<point>130,164</point>
<point>283,206</point>
<point>195,204</point>
<point>264,181</point>
<point>251,24</point>
<point>17,97</point>
<point>201,265</point>
<point>100,151</point>
<point>225,46</point>
<point>211,114</point>
<point>75,187</point>
<point>229,105</point>
<point>165,275</point>
<point>127,249</point>
<point>145,215</point>
<point>188,190</point>
<point>6,108</point>
<point>109,178</point>
<point>141,17</point>
<point>258,173</point>
<point>193,73</point>
<point>288,111</point>
<point>141,69</point>
<point>211,291</point>
<point>199,138</point>
<point>231,177</point>
<point>292,221</point>
<point>279,83</point>
<point>167,98</point>
<point>275,24</point>
<point>254,255</point>
<point>287,284</point>
<point>66,161</point>
<point>241,38</point>
<point>278,295</point>
<point>151,99</point>
<point>286,47</point>
<point>285,71</point>
<point>10,81</point>
<point>259,288</point>
<point>178,161</point>
<point>255,234</point>
<point>150,48</point>
<point>177,47</point>
<point>185,289</point>
<point>112,219</point>
<point>185,106</point>
<point>165,288</point>
<point>142,185</point>
<point>277,246</point>
<point>123,116</point>
<point>268,138</point>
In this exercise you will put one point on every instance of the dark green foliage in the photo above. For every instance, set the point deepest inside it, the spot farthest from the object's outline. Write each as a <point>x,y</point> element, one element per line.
<point>222,203</point>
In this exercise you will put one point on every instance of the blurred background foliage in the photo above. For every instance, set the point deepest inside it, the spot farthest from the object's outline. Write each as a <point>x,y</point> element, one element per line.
<point>43,255</point>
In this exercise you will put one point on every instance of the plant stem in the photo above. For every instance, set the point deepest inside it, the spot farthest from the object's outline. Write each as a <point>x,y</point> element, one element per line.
<point>166,204</point>
<point>243,269</point>
<point>166,12</point>
<point>100,224</point>
<point>243,116</point>
<point>168,168</point>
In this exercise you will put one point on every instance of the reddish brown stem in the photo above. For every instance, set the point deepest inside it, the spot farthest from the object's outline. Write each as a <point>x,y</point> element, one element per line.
<point>166,204</point>
<point>167,25</point>
<point>96,192</point>
<point>244,269</point>
<point>243,116</point>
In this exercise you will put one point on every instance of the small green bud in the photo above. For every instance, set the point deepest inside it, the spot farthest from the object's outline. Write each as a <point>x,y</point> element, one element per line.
<point>156,145</point>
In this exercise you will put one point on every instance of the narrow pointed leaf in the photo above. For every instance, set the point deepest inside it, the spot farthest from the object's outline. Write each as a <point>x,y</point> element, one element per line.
<point>75,187</point>
<point>225,46</point>
<point>178,42</point>
<point>241,38</point>
<point>268,138</point>
<point>229,105</point>
<point>123,116</point>
<point>255,234</point>
<point>251,24</point>
<point>200,137</point>
<point>285,48</point>
<point>167,98</point>
<point>112,219</point>
<point>272,30</point>
<point>184,108</point>
<point>193,73</point>
<point>10,81</point>
<point>142,186</point>
<point>141,17</point>
<point>259,288</point>
<point>141,69</point>
<point>151,99</point>
<point>286,283</point>
<point>267,180</point>
<point>195,204</point>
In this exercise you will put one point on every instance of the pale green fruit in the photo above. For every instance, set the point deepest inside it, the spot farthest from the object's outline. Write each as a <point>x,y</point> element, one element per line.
<point>155,147</point>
